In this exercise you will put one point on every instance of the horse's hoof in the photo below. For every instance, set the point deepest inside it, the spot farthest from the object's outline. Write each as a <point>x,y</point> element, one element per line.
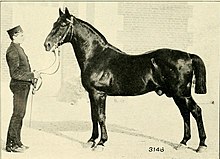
<point>201,149</point>
<point>89,144</point>
<point>180,146</point>
<point>98,148</point>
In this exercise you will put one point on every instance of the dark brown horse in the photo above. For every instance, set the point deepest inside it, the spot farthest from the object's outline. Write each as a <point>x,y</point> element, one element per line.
<point>107,71</point>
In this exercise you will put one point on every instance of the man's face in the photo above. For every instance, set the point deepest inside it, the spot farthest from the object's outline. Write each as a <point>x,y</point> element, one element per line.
<point>19,37</point>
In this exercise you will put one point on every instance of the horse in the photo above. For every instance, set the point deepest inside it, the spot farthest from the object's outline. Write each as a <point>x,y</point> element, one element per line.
<point>108,71</point>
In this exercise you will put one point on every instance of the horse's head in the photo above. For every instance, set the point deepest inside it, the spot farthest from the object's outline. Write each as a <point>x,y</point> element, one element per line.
<point>61,32</point>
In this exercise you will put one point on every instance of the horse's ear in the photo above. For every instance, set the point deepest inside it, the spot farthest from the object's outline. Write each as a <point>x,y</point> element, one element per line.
<point>67,12</point>
<point>60,12</point>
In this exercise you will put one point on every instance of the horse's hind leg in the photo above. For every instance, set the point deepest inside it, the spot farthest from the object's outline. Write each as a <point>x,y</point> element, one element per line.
<point>197,114</point>
<point>186,105</point>
<point>185,112</point>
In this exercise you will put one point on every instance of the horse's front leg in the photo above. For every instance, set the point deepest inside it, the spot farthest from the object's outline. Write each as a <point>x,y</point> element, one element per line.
<point>94,116</point>
<point>101,119</point>
<point>98,102</point>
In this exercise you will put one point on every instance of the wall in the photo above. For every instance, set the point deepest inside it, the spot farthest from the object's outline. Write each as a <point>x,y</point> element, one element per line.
<point>132,27</point>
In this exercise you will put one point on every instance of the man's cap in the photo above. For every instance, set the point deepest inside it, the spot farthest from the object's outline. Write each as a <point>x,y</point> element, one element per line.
<point>14,30</point>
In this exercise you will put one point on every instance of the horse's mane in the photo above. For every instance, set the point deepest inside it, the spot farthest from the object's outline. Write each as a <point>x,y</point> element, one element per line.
<point>95,31</point>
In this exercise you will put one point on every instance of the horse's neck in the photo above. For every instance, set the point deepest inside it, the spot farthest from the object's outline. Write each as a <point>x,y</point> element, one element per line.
<point>86,45</point>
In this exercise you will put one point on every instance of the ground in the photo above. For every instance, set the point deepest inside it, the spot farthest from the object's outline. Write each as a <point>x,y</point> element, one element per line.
<point>135,124</point>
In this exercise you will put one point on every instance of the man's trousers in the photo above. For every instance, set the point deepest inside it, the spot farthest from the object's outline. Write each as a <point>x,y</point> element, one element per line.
<point>20,95</point>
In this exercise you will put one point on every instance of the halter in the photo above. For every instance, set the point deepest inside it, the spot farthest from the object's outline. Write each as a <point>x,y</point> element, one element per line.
<point>67,31</point>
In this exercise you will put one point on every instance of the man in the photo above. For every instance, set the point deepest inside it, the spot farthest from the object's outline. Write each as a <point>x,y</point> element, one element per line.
<point>21,79</point>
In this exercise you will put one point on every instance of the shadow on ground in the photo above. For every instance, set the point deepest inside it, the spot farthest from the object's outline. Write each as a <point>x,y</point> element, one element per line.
<point>83,126</point>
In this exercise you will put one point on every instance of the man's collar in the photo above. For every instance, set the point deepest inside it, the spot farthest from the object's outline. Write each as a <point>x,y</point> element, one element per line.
<point>16,44</point>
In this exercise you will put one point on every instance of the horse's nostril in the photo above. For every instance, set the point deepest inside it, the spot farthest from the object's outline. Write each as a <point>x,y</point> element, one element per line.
<point>47,45</point>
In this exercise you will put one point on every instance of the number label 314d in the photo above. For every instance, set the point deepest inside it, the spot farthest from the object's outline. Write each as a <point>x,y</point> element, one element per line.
<point>156,149</point>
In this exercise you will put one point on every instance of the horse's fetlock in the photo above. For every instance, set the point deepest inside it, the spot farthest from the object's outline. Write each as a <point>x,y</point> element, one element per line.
<point>102,141</point>
<point>187,137</point>
<point>203,137</point>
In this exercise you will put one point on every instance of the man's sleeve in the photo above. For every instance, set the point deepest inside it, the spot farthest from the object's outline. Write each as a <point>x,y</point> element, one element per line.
<point>15,71</point>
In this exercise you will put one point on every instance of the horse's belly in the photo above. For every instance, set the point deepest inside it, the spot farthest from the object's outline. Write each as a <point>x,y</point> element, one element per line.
<point>130,88</point>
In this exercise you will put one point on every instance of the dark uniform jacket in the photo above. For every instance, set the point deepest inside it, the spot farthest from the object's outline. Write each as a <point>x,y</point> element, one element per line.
<point>19,67</point>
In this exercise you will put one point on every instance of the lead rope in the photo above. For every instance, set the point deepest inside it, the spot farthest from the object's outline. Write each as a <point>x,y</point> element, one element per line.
<point>57,56</point>
<point>35,87</point>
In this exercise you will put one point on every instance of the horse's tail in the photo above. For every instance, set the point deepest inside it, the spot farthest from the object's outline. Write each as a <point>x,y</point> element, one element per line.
<point>200,74</point>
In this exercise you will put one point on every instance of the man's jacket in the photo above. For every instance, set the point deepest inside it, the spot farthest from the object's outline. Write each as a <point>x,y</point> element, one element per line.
<point>19,67</point>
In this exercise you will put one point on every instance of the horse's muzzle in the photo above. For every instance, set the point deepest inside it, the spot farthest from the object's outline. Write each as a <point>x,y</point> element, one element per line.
<point>47,45</point>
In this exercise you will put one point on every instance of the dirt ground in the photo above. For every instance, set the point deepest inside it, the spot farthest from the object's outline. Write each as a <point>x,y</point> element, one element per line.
<point>135,124</point>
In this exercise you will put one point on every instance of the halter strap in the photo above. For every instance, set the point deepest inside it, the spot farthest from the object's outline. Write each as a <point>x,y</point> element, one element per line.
<point>67,31</point>
<point>71,20</point>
